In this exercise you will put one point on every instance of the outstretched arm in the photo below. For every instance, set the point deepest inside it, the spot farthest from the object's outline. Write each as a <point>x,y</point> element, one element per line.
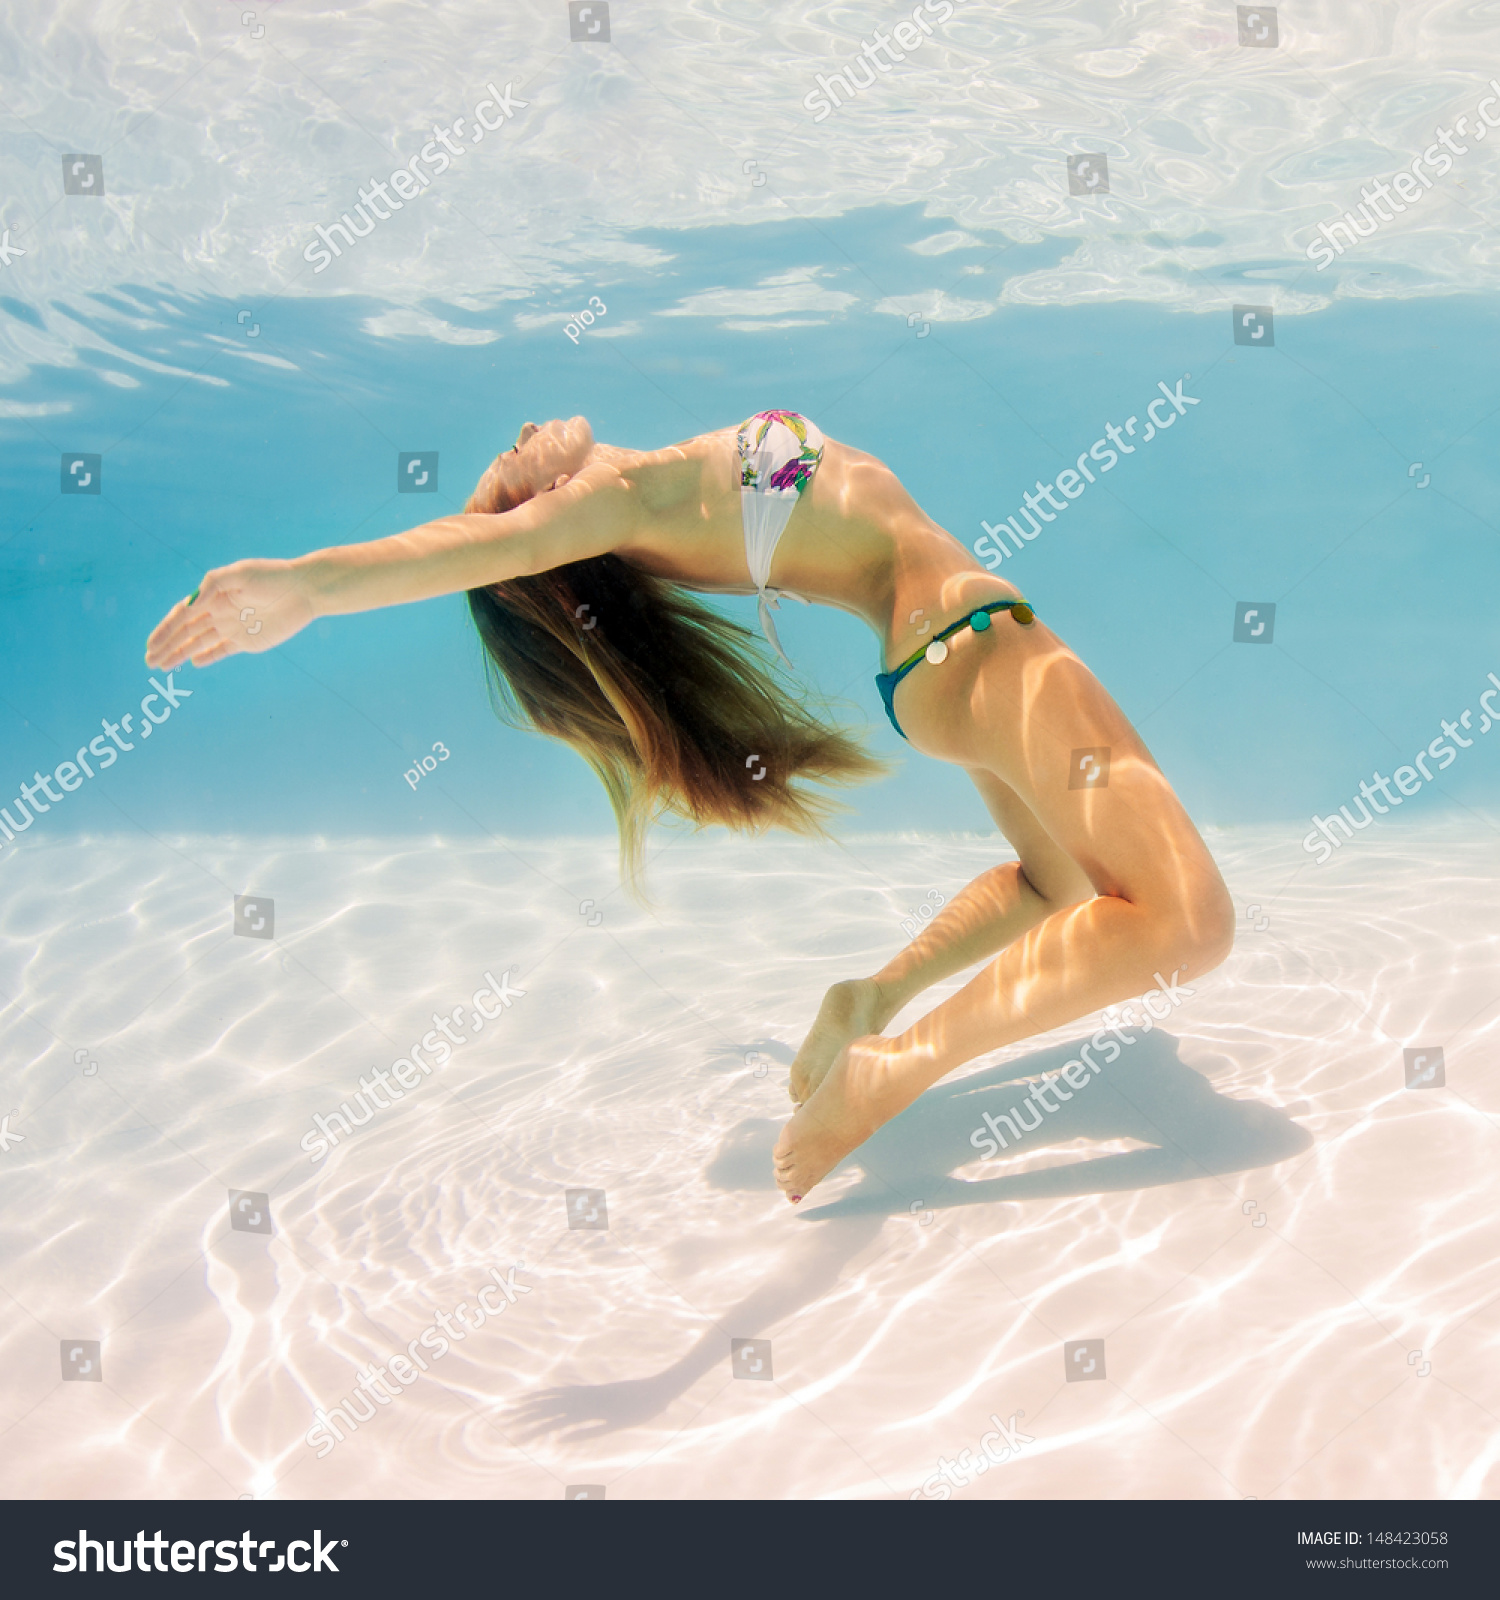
<point>254,605</point>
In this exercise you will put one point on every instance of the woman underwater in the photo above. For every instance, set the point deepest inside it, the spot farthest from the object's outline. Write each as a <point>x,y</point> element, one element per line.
<point>576,557</point>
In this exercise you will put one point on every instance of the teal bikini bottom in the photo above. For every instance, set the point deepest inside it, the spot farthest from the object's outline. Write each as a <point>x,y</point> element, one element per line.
<point>936,650</point>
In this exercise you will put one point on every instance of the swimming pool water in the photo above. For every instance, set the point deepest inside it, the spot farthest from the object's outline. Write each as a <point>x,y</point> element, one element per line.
<point>1259,1219</point>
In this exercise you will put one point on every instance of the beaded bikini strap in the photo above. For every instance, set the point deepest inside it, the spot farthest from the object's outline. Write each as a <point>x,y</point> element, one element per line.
<point>1019,609</point>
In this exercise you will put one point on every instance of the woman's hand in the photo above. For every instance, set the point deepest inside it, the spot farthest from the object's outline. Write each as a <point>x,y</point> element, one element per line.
<point>249,606</point>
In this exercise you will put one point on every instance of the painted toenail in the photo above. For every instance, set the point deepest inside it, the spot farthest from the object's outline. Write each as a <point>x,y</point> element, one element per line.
<point>796,1198</point>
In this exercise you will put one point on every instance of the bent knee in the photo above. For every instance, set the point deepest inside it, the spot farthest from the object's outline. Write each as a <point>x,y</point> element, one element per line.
<point>1199,933</point>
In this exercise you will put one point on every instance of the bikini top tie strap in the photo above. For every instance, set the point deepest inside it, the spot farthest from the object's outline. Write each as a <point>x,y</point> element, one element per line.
<point>767,599</point>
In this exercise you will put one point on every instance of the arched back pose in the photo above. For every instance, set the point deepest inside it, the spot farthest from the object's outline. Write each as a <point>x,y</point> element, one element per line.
<point>577,556</point>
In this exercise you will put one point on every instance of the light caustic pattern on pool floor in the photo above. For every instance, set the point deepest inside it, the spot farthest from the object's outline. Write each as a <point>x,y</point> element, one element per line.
<point>1287,1254</point>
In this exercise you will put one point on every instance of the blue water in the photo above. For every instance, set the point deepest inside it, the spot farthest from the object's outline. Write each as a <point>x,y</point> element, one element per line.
<point>1289,482</point>
<point>163,1062</point>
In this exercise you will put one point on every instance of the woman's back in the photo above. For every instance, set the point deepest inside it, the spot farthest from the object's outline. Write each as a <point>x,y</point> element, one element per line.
<point>857,540</point>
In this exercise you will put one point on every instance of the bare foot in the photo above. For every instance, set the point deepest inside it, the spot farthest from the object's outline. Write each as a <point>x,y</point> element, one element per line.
<point>850,1010</point>
<point>860,1091</point>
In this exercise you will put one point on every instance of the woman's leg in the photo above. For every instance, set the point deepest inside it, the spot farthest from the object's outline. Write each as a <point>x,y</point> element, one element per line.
<point>1031,712</point>
<point>985,916</point>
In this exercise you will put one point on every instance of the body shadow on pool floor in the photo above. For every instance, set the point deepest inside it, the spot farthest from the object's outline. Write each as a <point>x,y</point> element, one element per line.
<point>1148,1094</point>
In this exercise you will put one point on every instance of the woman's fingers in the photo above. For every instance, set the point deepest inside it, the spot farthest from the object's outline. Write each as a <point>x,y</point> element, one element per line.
<point>186,637</point>
<point>205,647</point>
<point>217,652</point>
<point>198,622</point>
<point>181,625</point>
<point>190,636</point>
<point>163,635</point>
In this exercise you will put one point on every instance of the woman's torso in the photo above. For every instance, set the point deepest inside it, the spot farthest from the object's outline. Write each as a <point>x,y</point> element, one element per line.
<point>856,540</point>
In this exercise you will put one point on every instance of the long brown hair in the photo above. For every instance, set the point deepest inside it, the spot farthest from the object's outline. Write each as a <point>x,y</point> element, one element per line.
<point>672,704</point>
